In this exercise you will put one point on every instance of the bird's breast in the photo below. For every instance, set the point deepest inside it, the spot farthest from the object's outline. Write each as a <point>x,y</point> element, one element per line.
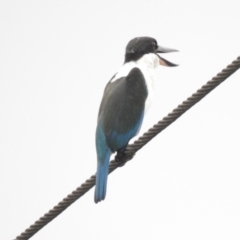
<point>150,80</point>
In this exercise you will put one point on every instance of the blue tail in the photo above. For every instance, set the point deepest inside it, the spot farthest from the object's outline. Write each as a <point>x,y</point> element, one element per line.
<point>103,152</point>
<point>101,180</point>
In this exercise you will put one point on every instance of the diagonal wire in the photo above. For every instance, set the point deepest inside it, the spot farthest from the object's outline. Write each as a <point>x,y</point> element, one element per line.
<point>133,148</point>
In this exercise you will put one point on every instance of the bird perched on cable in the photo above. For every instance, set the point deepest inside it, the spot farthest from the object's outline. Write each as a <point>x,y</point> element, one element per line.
<point>126,99</point>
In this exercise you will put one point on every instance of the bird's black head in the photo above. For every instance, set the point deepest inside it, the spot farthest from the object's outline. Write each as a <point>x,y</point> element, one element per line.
<point>139,46</point>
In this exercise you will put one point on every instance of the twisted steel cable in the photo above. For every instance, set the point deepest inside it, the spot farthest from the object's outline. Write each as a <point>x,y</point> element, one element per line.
<point>133,148</point>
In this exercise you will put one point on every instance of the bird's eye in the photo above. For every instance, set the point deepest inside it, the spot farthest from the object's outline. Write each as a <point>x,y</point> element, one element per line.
<point>154,45</point>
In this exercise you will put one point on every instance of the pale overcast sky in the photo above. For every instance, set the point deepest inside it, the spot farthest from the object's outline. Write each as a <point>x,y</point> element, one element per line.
<point>55,60</point>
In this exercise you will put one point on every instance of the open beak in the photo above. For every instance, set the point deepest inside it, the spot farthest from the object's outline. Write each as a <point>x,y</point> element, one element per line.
<point>163,61</point>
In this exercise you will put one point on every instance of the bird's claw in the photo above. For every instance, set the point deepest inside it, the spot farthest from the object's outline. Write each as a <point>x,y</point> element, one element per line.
<point>122,158</point>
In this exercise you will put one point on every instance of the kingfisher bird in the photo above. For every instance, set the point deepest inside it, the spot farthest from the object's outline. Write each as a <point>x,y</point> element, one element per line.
<point>126,99</point>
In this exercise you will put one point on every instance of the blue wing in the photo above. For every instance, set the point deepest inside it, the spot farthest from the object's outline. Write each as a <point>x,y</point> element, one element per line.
<point>122,109</point>
<point>120,118</point>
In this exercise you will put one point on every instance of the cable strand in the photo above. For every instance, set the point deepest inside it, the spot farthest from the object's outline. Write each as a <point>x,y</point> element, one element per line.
<point>133,148</point>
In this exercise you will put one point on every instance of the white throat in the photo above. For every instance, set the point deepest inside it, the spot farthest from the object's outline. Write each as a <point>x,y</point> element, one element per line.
<point>147,63</point>
<point>150,60</point>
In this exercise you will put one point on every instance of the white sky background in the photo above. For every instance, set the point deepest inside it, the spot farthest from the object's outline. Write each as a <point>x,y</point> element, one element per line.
<point>55,60</point>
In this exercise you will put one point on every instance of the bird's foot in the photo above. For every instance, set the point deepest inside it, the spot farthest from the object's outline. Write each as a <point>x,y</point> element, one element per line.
<point>122,157</point>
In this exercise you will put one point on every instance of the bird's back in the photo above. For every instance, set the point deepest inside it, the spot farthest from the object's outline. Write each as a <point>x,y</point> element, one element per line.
<point>122,108</point>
